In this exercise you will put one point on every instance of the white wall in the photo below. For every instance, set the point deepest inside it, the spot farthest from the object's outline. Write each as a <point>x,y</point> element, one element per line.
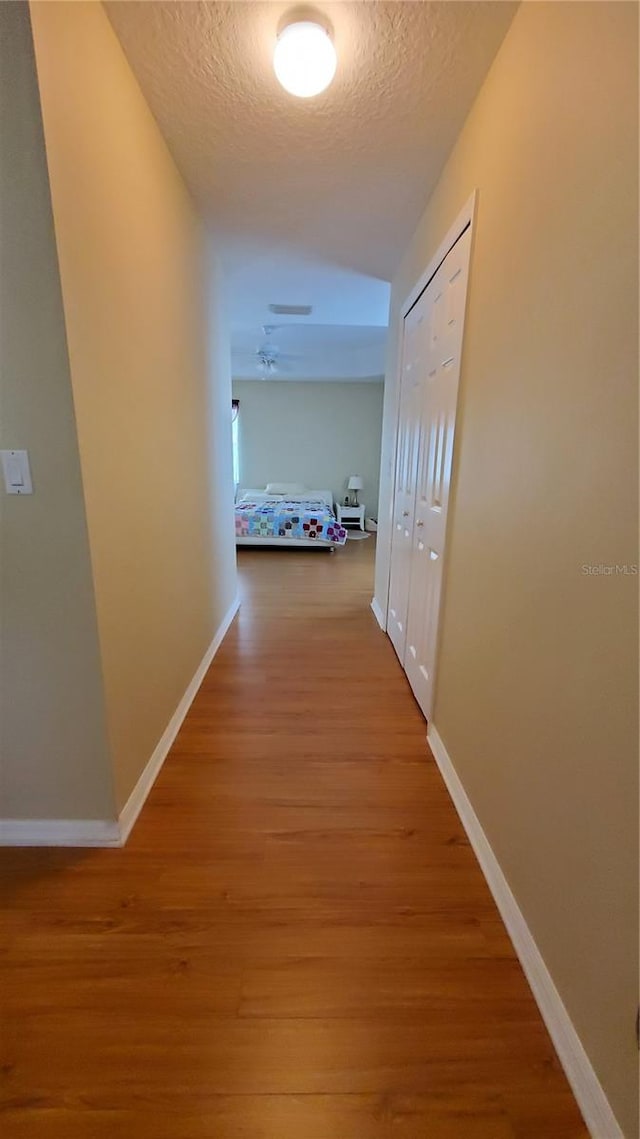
<point>537,685</point>
<point>313,432</point>
<point>150,373</point>
<point>53,745</point>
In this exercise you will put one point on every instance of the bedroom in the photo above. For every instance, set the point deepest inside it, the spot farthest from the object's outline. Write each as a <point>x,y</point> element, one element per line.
<point>308,387</point>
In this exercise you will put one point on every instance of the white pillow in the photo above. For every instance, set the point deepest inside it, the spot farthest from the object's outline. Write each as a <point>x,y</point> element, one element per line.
<point>286,488</point>
<point>257,496</point>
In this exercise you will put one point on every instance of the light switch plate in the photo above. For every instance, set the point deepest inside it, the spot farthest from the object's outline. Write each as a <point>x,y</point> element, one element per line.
<point>17,474</point>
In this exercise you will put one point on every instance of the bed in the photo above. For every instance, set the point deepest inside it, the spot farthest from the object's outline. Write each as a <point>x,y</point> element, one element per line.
<point>287,514</point>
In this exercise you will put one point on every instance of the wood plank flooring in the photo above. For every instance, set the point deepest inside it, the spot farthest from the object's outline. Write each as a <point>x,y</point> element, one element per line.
<point>297,942</point>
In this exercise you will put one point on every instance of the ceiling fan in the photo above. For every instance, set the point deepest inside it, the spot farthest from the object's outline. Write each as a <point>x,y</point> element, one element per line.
<point>270,360</point>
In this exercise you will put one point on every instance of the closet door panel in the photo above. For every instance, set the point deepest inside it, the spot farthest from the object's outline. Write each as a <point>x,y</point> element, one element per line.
<point>440,350</point>
<point>407,445</point>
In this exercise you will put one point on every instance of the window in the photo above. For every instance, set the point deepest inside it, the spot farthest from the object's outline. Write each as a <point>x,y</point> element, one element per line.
<point>235,411</point>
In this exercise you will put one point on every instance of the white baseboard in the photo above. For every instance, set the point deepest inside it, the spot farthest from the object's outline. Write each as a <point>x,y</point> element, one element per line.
<point>136,800</point>
<point>59,832</point>
<point>586,1087</point>
<point>106,832</point>
<point>378,614</point>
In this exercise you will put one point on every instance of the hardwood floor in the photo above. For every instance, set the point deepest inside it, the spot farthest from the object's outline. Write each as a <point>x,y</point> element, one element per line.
<point>297,942</point>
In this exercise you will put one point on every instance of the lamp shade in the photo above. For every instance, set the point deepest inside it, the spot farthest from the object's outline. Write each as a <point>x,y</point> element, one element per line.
<point>355,482</point>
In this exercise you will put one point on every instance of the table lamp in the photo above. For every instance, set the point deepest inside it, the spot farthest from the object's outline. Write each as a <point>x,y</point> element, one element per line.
<point>355,483</point>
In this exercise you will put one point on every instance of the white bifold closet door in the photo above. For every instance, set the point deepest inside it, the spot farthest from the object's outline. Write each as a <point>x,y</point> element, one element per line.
<point>408,440</point>
<point>429,393</point>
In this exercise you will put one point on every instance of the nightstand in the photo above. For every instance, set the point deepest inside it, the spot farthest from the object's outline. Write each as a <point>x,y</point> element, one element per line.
<point>348,515</point>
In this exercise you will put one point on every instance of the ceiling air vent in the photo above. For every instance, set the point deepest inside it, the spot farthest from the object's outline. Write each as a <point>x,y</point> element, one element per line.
<point>291,310</point>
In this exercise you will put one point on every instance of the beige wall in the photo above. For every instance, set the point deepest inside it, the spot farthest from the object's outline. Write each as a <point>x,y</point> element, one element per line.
<point>150,378</point>
<point>537,690</point>
<point>315,432</point>
<point>53,750</point>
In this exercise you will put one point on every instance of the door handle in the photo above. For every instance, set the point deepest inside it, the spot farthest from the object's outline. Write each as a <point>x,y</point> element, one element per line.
<point>405,513</point>
<point>420,523</point>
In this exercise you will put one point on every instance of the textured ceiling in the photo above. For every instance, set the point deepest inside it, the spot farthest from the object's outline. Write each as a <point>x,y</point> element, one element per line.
<point>312,351</point>
<point>343,177</point>
<point>337,295</point>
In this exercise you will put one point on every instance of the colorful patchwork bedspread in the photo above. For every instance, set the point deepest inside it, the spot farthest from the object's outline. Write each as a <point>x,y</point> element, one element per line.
<point>288,518</point>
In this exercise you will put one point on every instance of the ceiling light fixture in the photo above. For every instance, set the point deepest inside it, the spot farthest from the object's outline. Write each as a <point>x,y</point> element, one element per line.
<point>304,58</point>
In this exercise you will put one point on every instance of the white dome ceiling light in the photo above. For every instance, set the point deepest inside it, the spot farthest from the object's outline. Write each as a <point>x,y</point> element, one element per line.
<point>304,58</point>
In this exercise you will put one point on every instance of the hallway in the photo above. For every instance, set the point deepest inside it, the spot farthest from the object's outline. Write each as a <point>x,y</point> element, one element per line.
<point>296,942</point>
